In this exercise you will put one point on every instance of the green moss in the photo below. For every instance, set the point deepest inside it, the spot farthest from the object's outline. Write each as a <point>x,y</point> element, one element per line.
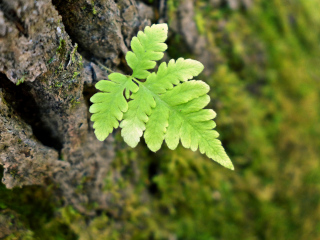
<point>94,11</point>
<point>74,101</point>
<point>74,50</point>
<point>50,60</point>
<point>75,74</point>
<point>172,9</point>
<point>80,62</point>
<point>23,235</point>
<point>58,84</point>
<point>32,208</point>
<point>61,50</point>
<point>61,67</point>
<point>21,80</point>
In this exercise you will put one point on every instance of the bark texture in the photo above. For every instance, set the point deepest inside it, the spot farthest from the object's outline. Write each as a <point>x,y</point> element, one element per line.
<point>45,131</point>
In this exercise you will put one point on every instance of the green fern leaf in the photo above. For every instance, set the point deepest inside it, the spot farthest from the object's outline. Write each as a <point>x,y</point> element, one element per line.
<point>147,48</point>
<point>108,106</point>
<point>168,106</point>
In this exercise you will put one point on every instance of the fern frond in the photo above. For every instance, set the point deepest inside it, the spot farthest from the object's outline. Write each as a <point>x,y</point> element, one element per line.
<point>147,48</point>
<point>168,106</point>
<point>108,106</point>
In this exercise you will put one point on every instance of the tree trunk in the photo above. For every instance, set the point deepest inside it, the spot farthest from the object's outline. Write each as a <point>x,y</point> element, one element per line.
<point>45,86</point>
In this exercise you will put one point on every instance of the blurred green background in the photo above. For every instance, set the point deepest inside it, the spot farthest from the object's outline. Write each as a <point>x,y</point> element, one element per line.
<point>265,87</point>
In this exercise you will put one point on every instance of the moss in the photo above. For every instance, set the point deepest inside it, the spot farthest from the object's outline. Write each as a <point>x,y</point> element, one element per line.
<point>74,50</point>
<point>172,9</point>
<point>21,80</point>
<point>32,207</point>
<point>80,62</point>
<point>61,67</point>
<point>61,50</point>
<point>74,101</point>
<point>58,84</point>
<point>94,11</point>
<point>75,74</point>
<point>50,60</point>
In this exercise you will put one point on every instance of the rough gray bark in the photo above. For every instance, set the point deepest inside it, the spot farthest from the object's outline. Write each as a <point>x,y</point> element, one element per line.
<point>45,128</point>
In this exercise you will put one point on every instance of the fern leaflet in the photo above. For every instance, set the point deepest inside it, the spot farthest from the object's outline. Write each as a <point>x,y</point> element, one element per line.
<point>108,106</point>
<point>147,48</point>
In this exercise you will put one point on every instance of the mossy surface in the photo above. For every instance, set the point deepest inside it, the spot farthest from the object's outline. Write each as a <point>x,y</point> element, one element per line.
<point>31,211</point>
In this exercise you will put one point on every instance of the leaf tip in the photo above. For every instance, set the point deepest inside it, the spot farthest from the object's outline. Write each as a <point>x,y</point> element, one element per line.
<point>231,167</point>
<point>227,164</point>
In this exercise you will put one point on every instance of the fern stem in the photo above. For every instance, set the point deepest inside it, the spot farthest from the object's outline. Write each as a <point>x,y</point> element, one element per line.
<point>104,67</point>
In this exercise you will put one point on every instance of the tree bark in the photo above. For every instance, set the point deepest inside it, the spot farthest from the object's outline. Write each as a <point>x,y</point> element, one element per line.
<point>45,86</point>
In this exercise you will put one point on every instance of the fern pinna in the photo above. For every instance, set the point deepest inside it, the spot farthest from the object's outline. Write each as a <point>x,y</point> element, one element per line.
<point>164,105</point>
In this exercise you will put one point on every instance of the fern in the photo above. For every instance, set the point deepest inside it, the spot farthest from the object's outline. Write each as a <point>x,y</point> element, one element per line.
<point>166,105</point>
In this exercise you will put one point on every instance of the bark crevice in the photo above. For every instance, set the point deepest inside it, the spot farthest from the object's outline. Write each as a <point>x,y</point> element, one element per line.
<point>23,103</point>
